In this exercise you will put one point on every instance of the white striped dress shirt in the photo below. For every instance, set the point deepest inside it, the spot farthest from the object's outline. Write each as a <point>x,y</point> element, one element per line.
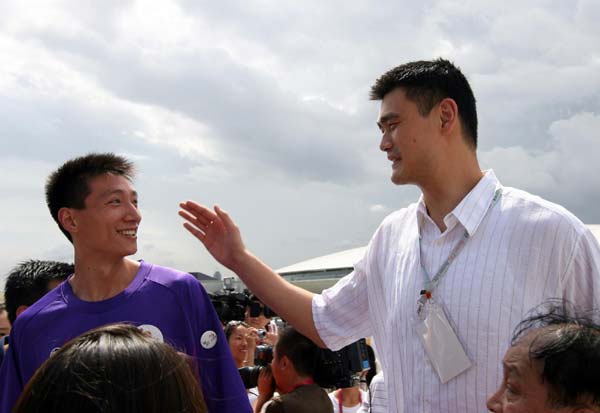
<point>523,251</point>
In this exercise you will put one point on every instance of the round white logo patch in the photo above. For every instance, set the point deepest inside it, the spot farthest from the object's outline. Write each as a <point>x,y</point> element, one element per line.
<point>208,339</point>
<point>152,331</point>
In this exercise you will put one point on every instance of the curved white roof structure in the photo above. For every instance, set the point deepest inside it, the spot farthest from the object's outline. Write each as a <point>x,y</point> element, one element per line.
<point>318,273</point>
<point>338,260</point>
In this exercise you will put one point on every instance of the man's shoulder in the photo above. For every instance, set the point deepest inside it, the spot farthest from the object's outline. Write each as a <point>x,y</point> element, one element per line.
<point>170,277</point>
<point>537,210</point>
<point>310,398</point>
<point>400,217</point>
<point>408,211</point>
<point>400,224</point>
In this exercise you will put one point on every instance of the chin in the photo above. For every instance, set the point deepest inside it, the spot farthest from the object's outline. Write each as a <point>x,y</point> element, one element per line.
<point>130,251</point>
<point>398,180</point>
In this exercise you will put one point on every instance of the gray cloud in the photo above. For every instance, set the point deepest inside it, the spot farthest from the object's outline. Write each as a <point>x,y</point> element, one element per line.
<point>264,110</point>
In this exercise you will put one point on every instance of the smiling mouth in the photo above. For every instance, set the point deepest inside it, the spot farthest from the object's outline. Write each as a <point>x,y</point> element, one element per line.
<point>130,233</point>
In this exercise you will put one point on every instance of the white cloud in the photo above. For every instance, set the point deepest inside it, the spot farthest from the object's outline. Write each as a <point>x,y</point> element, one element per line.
<point>264,110</point>
<point>566,173</point>
<point>378,208</point>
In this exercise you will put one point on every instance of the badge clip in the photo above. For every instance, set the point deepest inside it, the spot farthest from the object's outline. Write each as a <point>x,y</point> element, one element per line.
<point>425,295</point>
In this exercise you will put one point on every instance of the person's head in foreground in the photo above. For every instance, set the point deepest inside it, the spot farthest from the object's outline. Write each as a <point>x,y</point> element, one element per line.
<point>553,364</point>
<point>115,368</point>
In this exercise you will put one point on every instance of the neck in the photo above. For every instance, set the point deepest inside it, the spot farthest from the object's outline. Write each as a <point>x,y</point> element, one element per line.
<point>98,278</point>
<point>350,396</point>
<point>297,382</point>
<point>443,193</point>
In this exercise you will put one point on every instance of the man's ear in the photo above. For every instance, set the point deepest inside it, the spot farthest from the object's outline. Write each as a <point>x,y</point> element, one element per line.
<point>20,309</point>
<point>67,219</point>
<point>284,362</point>
<point>448,112</point>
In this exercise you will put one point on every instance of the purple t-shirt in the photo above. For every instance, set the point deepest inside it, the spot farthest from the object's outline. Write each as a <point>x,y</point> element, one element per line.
<point>160,300</point>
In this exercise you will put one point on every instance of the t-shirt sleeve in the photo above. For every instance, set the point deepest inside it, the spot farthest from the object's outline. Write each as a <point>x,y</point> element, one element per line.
<point>581,281</point>
<point>222,386</point>
<point>11,384</point>
<point>341,313</point>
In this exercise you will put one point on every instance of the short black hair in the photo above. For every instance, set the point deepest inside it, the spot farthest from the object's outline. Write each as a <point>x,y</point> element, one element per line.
<point>567,343</point>
<point>302,352</point>
<point>28,282</point>
<point>427,83</point>
<point>372,365</point>
<point>68,186</point>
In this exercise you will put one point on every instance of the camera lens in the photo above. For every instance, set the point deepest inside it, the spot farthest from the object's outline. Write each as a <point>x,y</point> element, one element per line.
<point>263,355</point>
<point>250,375</point>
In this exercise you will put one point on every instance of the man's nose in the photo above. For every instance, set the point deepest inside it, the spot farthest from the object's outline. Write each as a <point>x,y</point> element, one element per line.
<point>386,143</point>
<point>133,212</point>
<point>493,403</point>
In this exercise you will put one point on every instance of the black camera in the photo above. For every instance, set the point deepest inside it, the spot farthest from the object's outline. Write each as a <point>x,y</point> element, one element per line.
<point>229,306</point>
<point>342,368</point>
<point>250,375</point>
<point>263,356</point>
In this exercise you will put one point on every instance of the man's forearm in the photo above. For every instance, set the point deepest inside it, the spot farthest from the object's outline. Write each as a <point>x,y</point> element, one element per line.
<point>292,303</point>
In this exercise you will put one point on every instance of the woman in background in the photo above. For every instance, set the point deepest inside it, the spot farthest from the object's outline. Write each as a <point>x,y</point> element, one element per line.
<point>354,399</point>
<point>241,342</point>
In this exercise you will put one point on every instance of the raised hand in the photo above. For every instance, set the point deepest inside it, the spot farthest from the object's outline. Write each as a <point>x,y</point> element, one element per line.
<point>219,234</point>
<point>266,383</point>
<point>266,388</point>
<point>272,334</point>
<point>251,340</point>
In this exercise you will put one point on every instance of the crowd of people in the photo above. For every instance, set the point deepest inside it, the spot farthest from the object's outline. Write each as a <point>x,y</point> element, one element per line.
<point>466,294</point>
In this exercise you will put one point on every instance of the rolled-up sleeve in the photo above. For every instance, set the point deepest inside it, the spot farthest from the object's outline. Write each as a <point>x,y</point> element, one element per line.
<point>341,313</point>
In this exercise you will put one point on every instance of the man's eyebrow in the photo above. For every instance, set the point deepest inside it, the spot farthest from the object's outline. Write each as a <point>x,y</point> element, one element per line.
<point>386,118</point>
<point>110,192</point>
<point>511,369</point>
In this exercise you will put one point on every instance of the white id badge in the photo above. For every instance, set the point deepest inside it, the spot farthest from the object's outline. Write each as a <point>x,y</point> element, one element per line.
<point>445,351</point>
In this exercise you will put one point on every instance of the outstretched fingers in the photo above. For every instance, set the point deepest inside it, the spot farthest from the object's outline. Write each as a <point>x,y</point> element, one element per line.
<point>197,214</point>
<point>224,216</point>
<point>195,232</point>
<point>198,217</point>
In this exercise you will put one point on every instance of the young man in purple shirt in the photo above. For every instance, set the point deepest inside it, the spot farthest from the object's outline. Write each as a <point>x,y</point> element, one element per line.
<point>95,205</point>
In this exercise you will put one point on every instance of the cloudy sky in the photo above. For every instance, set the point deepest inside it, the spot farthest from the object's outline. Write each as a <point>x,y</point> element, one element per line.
<point>262,107</point>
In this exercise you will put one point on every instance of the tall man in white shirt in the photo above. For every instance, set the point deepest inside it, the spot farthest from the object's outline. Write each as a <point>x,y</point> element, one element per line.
<point>464,263</point>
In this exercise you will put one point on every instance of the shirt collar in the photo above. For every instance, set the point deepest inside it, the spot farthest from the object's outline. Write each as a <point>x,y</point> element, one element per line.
<point>473,207</point>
